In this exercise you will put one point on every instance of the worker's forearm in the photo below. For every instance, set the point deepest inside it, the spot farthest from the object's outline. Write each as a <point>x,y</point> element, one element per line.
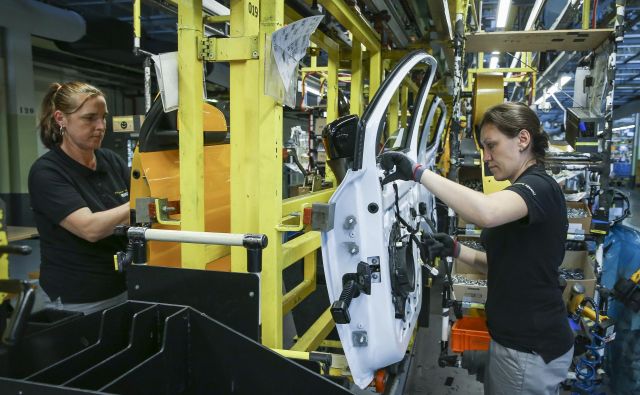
<point>473,257</point>
<point>471,205</point>
<point>103,223</point>
<point>95,226</point>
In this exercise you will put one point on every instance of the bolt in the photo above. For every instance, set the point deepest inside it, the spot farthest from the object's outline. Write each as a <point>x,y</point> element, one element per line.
<point>374,276</point>
<point>374,261</point>
<point>254,54</point>
<point>360,326</point>
<point>251,294</point>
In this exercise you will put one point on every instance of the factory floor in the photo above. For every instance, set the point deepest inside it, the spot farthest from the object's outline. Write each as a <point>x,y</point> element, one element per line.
<point>425,376</point>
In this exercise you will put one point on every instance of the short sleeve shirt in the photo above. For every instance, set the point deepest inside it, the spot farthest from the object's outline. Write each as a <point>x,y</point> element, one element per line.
<point>72,268</point>
<point>524,304</point>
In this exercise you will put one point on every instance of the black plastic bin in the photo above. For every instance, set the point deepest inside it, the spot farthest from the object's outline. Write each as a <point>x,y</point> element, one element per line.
<point>48,318</point>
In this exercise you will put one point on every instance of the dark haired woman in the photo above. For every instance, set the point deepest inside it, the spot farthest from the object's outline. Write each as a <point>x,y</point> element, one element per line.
<point>79,193</point>
<point>524,232</point>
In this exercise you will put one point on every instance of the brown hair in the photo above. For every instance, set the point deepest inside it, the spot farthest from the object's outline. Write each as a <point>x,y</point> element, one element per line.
<point>64,97</point>
<point>510,118</point>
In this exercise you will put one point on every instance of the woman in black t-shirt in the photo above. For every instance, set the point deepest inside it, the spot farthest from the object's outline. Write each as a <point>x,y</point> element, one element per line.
<point>525,227</point>
<point>79,193</point>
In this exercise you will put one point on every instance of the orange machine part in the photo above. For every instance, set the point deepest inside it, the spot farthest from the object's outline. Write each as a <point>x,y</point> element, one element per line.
<point>159,176</point>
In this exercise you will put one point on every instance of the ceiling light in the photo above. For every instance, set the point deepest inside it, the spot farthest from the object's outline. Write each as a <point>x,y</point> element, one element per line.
<point>503,13</point>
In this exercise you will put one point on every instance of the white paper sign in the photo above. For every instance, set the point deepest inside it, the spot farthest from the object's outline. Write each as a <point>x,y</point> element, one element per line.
<point>289,45</point>
<point>167,74</point>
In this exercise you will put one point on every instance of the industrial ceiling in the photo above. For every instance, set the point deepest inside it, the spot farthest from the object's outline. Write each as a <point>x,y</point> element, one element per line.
<point>402,24</point>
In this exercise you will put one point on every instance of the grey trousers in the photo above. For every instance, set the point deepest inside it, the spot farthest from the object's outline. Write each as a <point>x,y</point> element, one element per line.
<point>512,372</point>
<point>86,308</point>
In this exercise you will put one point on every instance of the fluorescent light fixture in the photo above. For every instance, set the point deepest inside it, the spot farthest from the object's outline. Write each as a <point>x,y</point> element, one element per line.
<point>564,79</point>
<point>503,13</point>
<point>623,127</point>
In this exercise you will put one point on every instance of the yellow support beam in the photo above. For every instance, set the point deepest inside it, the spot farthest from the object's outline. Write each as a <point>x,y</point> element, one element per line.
<point>136,23</point>
<point>332,84</point>
<point>292,298</point>
<point>355,105</point>
<point>318,38</point>
<point>305,288</point>
<point>316,333</point>
<point>375,73</point>
<point>586,14</point>
<point>217,19</point>
<point>294,204</point>
<point>314,69</point>
<point>190,126</point>
<point>256,154</point>
<point>301,246</point>
<point>411,85</point>
<point>354,22</point>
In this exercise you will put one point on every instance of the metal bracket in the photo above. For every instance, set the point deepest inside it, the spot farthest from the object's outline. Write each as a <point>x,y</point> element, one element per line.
<point>214,49</point>
<point>322,216</point>
<point>293,222</point>
<point>162,213</point>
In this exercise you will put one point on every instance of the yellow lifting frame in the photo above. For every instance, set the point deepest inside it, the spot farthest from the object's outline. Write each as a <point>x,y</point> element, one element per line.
<point>190,125</point>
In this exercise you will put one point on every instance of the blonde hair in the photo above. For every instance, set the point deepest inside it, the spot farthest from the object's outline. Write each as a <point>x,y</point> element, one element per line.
<point>65,98</point>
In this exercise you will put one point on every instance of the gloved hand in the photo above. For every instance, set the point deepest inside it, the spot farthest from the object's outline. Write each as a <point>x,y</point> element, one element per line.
<point>406,168</point>
<point>442,245</point>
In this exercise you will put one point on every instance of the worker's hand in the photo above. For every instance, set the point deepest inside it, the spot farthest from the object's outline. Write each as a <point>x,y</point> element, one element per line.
<point>442,245</point>
<point>406,168</point>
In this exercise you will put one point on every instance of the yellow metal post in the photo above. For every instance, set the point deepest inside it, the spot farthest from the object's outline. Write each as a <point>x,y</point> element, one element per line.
<point>356,78</point>
<point>375,72</point>
<point>136,23</point>
<point>190,126</point>
<point>256,161</point>
<point>332,84</point>
<point>586,14</point>
<point>244,93</point>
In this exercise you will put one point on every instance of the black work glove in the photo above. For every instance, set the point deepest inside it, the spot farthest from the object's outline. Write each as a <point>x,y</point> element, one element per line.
<point>442,245</point>
<point>406,168</point>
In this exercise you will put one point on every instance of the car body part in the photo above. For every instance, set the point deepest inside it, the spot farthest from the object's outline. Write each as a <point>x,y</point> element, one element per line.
<point>370,253</point>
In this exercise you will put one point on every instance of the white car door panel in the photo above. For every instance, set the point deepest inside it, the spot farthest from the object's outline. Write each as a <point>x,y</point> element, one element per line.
<point>370,256</point>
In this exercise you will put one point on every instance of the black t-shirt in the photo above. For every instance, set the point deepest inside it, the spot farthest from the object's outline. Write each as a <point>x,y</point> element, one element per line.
<point>524,305</point>
<point>72,268</point>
